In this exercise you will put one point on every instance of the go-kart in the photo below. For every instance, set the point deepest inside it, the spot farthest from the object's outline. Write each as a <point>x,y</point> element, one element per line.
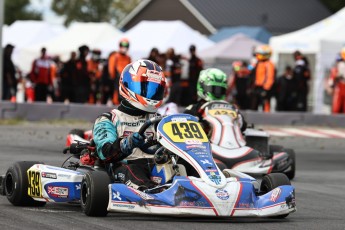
<point>249,152</point>
<point>214,193</point>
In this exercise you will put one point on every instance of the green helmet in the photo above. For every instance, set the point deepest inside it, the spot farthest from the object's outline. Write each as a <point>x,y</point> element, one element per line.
<point>212,84</point>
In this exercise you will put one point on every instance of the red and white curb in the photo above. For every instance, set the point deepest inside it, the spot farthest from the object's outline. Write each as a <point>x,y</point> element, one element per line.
<point>306,132</point>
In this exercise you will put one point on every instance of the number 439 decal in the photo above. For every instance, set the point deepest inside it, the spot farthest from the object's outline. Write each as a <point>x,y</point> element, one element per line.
<point>182,131</point>
<point>34,186</point>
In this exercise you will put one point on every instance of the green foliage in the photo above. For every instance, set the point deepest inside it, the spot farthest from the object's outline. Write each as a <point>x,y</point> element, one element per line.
<point>16,10</point>
<point>93,10</point>
<point>334,5</point>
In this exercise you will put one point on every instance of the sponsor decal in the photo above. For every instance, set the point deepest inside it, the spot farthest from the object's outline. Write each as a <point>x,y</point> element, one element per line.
<point>193,203</point>
<point>275,194</point>
<point>245,205</point>
<point>179,119</point>
<point>65,176</point>
<point>193,142</point>
<point>133,124</point>
<point>210,170</point>
<point>117,196</point>
<point>60,192</point>
<point>77,186</point>
<point>154,76</point>
<point>196,146</point>
<point>222,106</point>
<point>156,179</point>
<point>215,178</point>
<point>128,206</point>
<point>48,175</point>
<point>206,162</point>
<point>143,195</point>
<point>222,194</point>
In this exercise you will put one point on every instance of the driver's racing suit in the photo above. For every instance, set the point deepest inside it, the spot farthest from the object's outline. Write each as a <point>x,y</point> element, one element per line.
<point>110,132</point>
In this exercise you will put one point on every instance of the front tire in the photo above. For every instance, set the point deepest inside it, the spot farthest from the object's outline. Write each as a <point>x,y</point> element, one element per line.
<point>272,181</point>
<point>291,174</point>
<point>16,185</point>
<point>95,193</point>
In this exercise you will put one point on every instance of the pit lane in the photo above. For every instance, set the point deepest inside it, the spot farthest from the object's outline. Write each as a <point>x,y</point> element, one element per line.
<point>319,182</point>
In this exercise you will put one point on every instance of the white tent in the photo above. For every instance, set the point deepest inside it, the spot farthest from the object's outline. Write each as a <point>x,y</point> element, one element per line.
<point>78,34</point>
<point>22,34</point>
<point>320,42</point>
<point>163,35</point>
<point>237,47</point>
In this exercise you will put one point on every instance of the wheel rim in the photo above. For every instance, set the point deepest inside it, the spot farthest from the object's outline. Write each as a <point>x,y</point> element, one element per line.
<point>84,193</point>
<point>9,184</point>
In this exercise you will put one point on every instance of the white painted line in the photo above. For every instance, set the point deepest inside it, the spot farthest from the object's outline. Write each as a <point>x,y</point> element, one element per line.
<point>300,132</point>
<point>332,133</point>
<point>278,133</point>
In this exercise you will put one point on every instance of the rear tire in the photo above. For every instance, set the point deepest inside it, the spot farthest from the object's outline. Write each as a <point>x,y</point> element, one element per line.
<point>78,132</point>
<point>16,185</point>
<point>292,172</point>
<point>95,193</point>
<point>272,181</point>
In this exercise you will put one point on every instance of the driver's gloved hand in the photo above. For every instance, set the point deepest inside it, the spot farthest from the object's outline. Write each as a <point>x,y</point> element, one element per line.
<point>127,144</point>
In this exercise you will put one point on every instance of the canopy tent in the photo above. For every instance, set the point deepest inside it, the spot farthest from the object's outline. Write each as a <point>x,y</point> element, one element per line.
<point>255,32</point>
<point>321,42</point>
<point>78,34</point>
<point>163,35</point>
<point>237,47</point>
<point>22,34</point>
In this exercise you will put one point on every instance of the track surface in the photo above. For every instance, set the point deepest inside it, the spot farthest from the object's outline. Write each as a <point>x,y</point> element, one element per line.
<point>319,182</point>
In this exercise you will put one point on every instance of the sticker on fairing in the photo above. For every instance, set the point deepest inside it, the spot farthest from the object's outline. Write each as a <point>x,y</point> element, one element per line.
<point>228,112</point>
<point>34,185</point>
<point>189,131</point>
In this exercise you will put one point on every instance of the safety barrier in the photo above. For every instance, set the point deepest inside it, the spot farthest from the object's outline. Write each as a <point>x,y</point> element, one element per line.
<point>56,111</point>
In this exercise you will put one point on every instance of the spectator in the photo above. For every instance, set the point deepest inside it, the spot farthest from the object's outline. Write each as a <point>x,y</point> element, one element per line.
<point>95,70</point>
<point>154,55</point>
<point>239,84</point>
<point>82,87</point>
<point>41,76</point>
<point>9,82</point>
<point>338,104</point>
<point>68,78</point>
<point>264,75</point>
<point>287,91</point>
<point>301,73</point>
<point>116,63</point>
<point>173,71</point>
<point>195,67</point>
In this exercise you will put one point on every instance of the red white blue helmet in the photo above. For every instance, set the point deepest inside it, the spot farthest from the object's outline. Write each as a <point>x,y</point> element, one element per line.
<point>142,83</point>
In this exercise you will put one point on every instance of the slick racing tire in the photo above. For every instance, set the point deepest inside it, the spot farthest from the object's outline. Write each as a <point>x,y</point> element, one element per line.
<point>94,193</point>
<point>272,181</point>
<point>78,132</point>
<point>291,174</point>
<point>16,185</point>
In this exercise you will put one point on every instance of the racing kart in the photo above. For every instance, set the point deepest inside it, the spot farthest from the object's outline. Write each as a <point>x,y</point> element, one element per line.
<point>226,193</point>
<point>249,152</point>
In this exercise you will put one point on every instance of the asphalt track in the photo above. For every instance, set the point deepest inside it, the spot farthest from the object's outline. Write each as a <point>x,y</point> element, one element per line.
<point>319,182</point>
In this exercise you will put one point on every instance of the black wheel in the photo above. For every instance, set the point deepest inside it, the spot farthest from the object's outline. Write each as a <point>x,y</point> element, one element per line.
<point>95,193</point>
<point>16,185</point>
<point>272,181</point>
<point>291,174</point>
<point>78,132</point>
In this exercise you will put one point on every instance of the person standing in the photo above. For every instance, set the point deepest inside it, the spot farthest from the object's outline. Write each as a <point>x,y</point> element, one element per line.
<point>116,63</point>
<point>68,79</point>
<point>264,76</point>
<point>195,67</point>
<point>41,76</point>
<point>9,82</point>
<point>173,73</point>
<point>82,87</point>
<point>301,73</point>
<point>287,91</point>
<point>338,104</point>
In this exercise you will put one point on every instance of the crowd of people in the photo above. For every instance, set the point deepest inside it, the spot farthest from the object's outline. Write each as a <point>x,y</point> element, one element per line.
<point>87,78</point>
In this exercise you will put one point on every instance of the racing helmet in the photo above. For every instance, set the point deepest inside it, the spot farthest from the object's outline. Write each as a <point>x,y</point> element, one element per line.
<point>142,84</point>
<point>124,42</point>
<point>263,52</point>
<point>237,65</point>
<point>212,84</point>
<point>342,53</point>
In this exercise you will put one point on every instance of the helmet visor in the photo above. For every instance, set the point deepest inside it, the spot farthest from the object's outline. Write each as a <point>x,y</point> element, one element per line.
<point>216,91</point>
<point>149,89</point>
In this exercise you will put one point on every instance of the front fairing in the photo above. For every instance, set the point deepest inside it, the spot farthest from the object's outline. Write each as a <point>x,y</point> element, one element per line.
<point>183,135</point>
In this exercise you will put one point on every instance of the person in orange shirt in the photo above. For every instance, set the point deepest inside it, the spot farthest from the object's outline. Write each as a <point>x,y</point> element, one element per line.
<point>264,77</point>
<point>116,63</point>
<point>338,103</point>
<point>94,66</point>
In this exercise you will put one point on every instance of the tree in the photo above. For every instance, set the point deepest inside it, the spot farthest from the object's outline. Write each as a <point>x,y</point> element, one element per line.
<point>93,10</point>
<point>17,10</point>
